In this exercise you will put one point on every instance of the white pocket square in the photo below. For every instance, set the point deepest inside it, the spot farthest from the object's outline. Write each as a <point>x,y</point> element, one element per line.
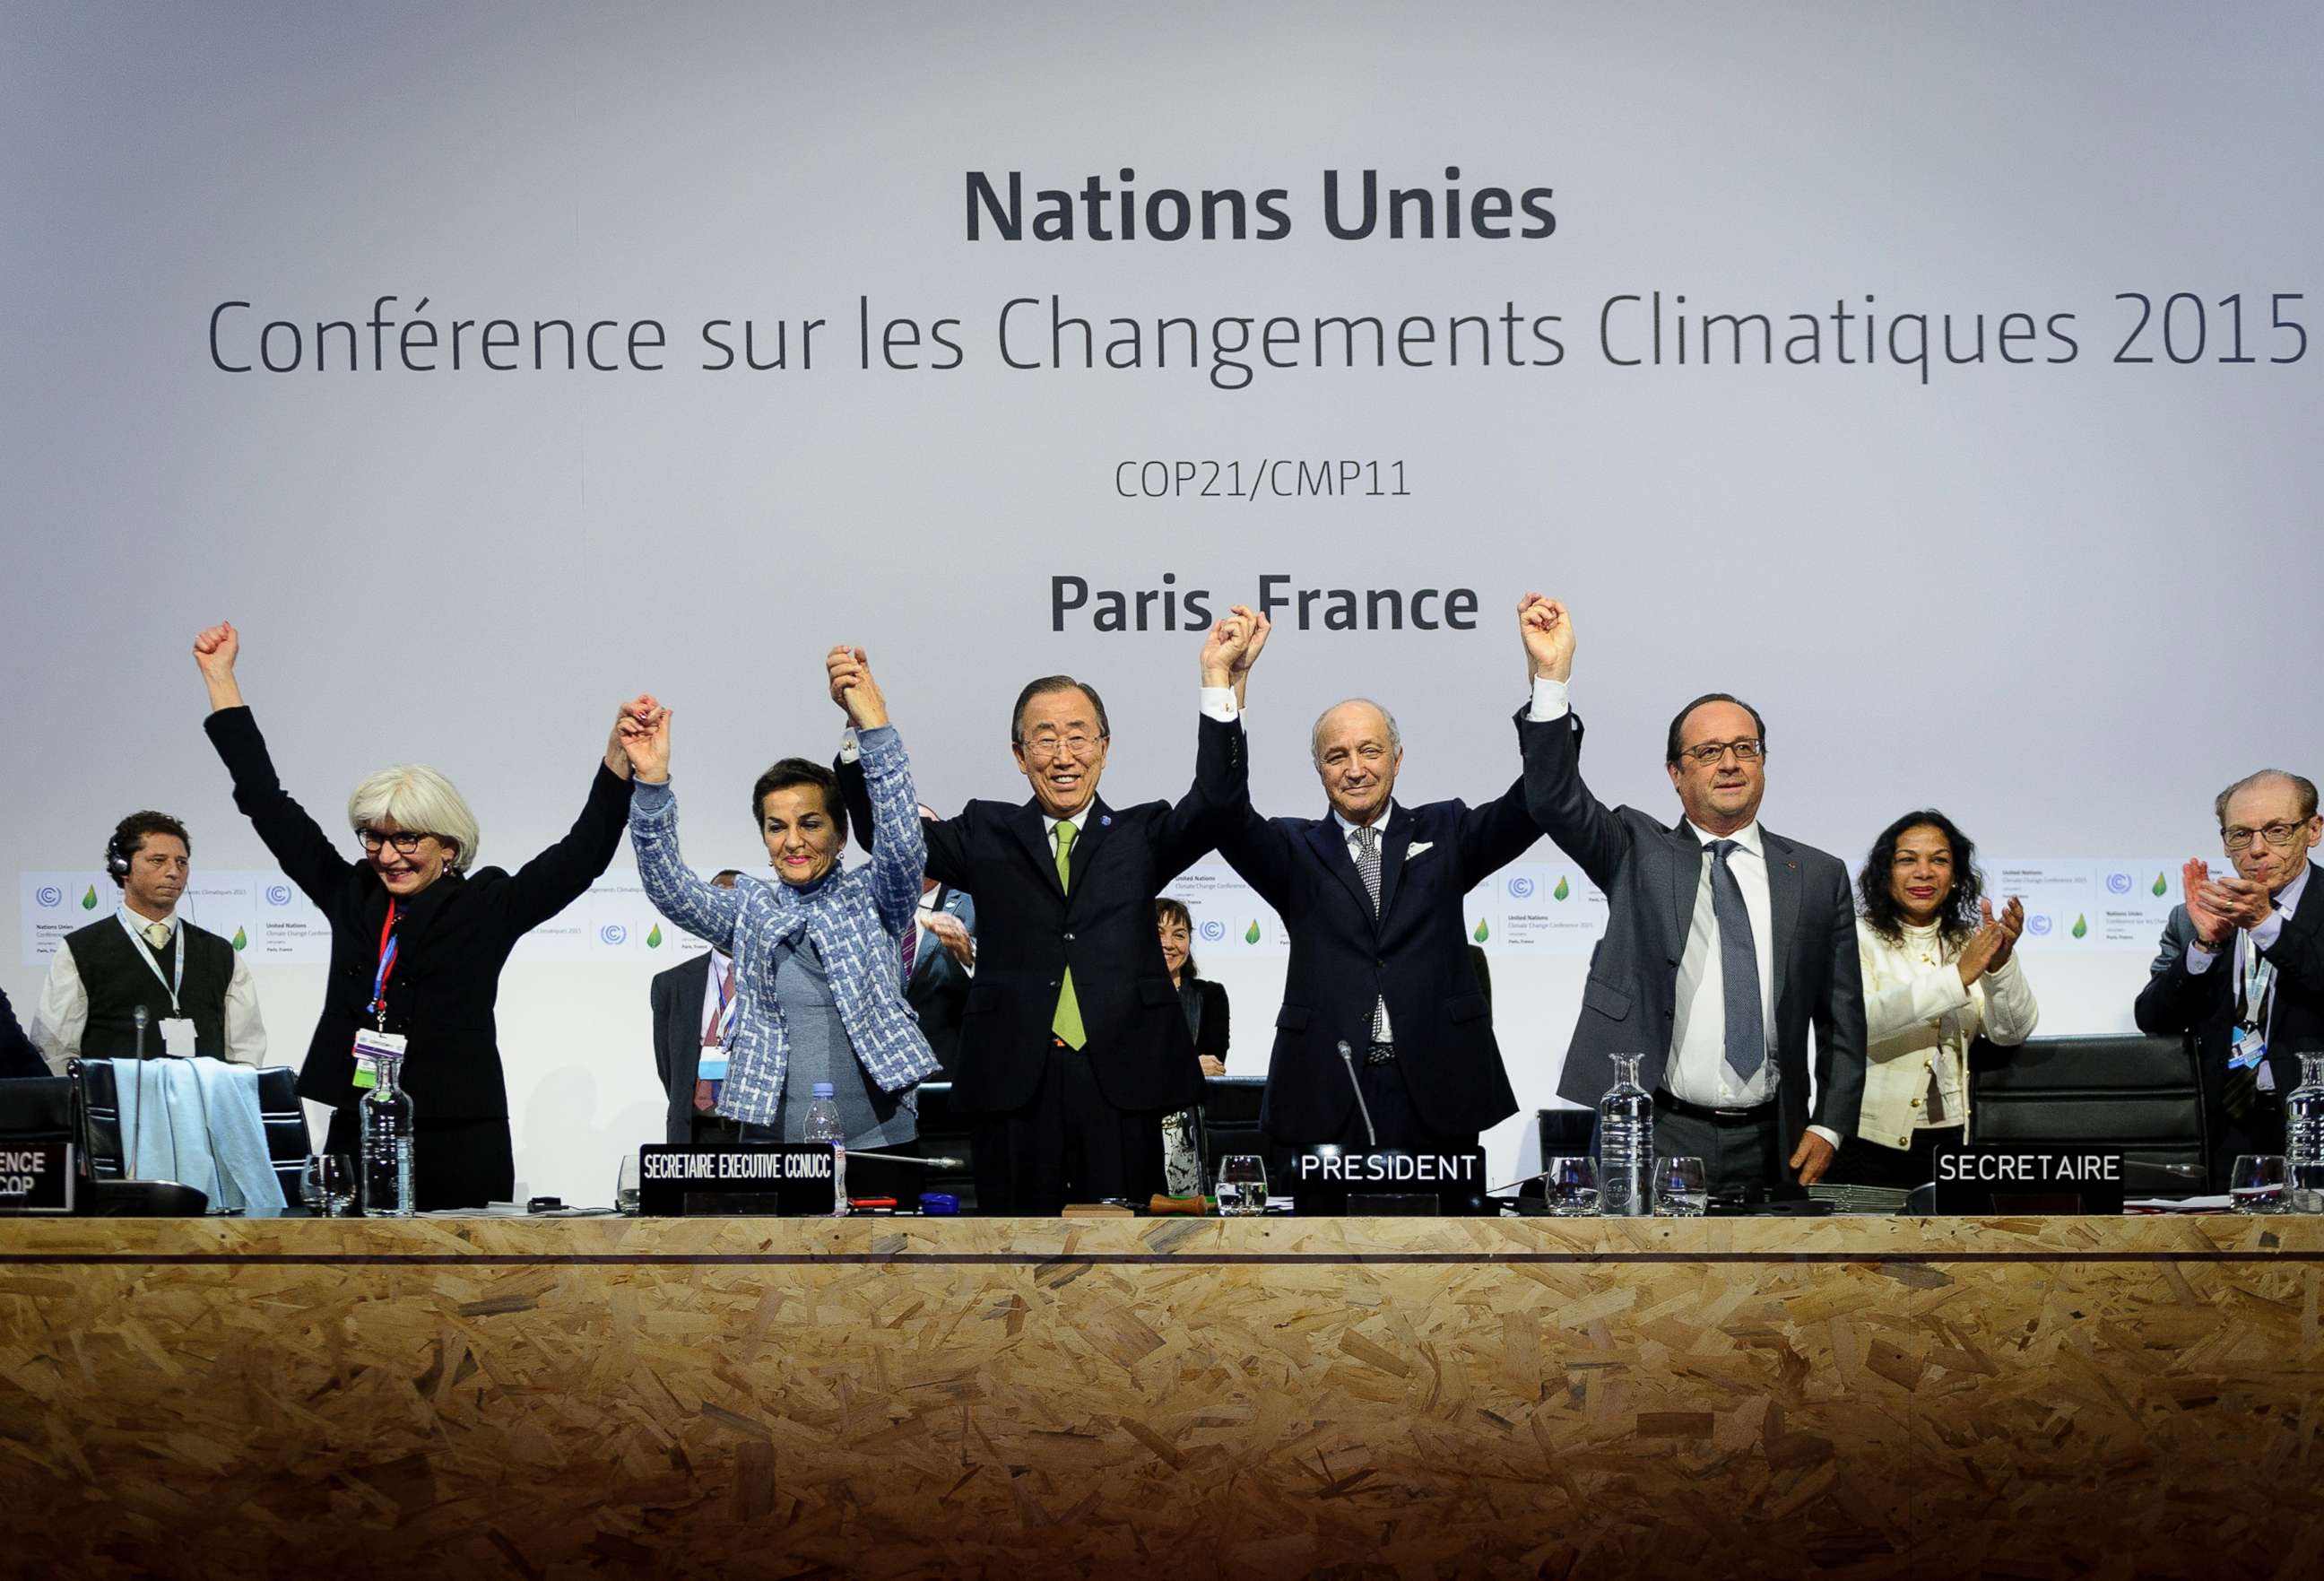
<point>1418,849</point>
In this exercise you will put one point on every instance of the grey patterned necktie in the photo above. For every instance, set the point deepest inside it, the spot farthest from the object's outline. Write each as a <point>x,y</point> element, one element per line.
<point>1368,864</point>
<point>1738,967</point>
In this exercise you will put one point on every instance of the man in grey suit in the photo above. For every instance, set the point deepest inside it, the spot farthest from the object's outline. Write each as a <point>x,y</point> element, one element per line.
<point>1725,944</point>
<point>687,1018</point>
<point>944,962</point>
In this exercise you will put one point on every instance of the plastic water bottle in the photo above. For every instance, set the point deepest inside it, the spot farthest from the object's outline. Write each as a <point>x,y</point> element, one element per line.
<point>823,1126</point>
<point>387,1191</point>
<point>2304,1135</point>
<point>1625,1143</point>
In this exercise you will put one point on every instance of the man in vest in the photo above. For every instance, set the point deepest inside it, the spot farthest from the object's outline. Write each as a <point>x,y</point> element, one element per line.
<point>198,995</point>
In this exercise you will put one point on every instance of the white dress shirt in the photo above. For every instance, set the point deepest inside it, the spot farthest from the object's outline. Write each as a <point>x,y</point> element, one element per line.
<point>62,1014</point>
<point>1698,1071</point>
<point>1919,1020</point>
<point>1348,831</point>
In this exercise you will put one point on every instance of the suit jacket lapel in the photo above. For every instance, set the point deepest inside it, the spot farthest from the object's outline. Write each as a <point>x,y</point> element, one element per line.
<point>1686,854</point>
<point>1784,905</point>
<point>1395,842</point>
<point>1034,835</point>
<point>1331,844</point>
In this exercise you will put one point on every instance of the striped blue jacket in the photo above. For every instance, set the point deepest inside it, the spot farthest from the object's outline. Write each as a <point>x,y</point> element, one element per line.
<point>856,918</point>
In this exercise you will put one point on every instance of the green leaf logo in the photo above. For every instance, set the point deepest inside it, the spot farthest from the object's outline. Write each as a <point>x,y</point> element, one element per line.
<point>1482,933</point>
<point>1250,934</point>
<point>241,939</point>
<point>2081,928</point>
<point>2161,888</point>
<point>88,900</point>
<point>653,940</point>
<point>1563,889</point>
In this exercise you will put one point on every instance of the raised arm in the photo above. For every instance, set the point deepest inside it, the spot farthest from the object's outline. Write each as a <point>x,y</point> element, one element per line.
<point>560,874</point>
<point>307,855</point>
<point>1563,805</point>
<point>1218,803</point>
<point>675,890</point>
<point>899,849</point>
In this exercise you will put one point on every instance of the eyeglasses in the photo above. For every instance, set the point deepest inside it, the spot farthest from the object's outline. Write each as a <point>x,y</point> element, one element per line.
<point>1750,749</point>
<point>2278,834</point>
<point>1041,748</point>
<point>405,841</point>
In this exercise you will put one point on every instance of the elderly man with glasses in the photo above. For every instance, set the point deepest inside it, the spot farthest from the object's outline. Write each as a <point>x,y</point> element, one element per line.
<point>1725,943</point>
<point>2242,964</point>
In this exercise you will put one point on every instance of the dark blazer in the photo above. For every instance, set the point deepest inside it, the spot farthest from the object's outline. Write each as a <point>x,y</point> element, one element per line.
<point>455,936</point>
<point>938,989</point>
<point>17,1055</point>
<point>1029,931</point>
<point>677,995</point>
<point>1650,872</point>
<point>1415,952</point>
<point>2176,1002</point>
<point>1204,1003</point>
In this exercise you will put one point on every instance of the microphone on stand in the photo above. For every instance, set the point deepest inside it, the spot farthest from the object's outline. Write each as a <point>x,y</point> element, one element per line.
<point>141,1017</point>
<point>929,1163</point>
<point>1348,1058</point>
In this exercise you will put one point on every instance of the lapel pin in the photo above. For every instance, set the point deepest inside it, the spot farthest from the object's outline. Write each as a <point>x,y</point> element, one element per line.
<point>1105,821</point>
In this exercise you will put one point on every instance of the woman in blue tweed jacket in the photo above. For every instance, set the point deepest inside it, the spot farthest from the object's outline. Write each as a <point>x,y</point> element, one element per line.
<point>818,978</point>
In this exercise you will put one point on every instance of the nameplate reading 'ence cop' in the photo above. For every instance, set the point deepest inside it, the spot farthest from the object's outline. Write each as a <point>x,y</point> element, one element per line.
<point>37,1178</point>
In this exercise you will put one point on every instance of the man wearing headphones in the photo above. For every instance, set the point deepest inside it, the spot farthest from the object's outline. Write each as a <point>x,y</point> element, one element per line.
<point>195,991</point>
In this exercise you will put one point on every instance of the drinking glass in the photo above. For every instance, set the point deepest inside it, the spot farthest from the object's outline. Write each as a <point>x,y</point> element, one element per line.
<point>335,1174</point>
<point>2257,1183</point>
<point>1680,1188</point>
<point>1571,1185</point>
<point>1242,1184</point>
<point>311,1186</point>
<point>625,1185</point>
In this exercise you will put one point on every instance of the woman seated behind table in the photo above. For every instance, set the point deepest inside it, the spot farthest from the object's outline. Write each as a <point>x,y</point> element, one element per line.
<point>1940,968</point>
<point>818,963</point>
<point>1205,1005</point>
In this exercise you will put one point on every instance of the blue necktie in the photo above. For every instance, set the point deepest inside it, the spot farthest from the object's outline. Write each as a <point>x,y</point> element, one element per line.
<point>1738,967</point>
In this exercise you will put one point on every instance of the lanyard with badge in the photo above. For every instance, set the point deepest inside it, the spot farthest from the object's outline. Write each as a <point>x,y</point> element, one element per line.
<point>374,1041</point>
<point>2247,1043</point>
<point>177,1036</point>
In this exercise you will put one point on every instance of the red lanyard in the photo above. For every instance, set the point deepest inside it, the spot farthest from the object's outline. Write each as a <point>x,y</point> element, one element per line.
<point>387,947</point>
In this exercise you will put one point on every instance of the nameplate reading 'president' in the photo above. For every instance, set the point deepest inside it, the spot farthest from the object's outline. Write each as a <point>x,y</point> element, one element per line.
<point>1324,1178</point>
<point>783,1177</point>
<point>1984,1180</point>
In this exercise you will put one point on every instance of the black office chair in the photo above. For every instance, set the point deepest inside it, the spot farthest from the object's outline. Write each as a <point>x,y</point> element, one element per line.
<point>285,1121</point>
<point>2124,1091</point>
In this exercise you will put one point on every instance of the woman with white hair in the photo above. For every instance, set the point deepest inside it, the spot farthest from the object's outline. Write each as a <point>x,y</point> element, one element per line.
<point>419,934</point>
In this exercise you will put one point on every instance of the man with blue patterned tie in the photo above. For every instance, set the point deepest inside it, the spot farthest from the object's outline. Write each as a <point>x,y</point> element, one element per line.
<point>1725,943</point>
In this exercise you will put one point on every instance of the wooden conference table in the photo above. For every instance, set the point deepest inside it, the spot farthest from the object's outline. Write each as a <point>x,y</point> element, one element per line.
<point>1277,1398</point>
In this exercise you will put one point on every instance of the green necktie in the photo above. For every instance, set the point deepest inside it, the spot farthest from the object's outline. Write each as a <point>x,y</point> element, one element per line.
<point>1066,1023</point>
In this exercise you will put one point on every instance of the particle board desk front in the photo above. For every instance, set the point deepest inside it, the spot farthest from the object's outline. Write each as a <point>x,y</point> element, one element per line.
<point>1277,1398</point>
